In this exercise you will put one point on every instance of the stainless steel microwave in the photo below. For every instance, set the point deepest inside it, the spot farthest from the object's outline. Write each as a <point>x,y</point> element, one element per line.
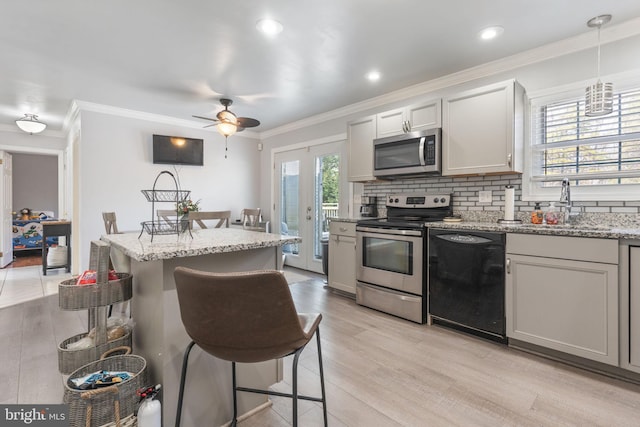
<point>413,153</point>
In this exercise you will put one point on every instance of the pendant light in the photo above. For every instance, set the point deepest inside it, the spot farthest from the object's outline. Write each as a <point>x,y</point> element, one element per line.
<point>599,96</point>
<point>30,124</point>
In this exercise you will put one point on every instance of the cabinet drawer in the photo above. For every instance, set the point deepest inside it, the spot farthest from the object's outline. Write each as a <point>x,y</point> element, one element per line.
<point>342,228</point>
<point>576,248</point>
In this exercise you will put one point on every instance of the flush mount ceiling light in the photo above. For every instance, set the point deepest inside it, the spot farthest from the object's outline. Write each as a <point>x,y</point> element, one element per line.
<point>491,33</point>
<point>599,96</point>
<point>269,27</point>
<point>30,124</point>
<point>373,76</point>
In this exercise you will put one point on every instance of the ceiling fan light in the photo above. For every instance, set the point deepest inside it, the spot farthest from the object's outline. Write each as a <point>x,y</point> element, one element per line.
<point>30,124</point>
<point>226,128</point>
<point>227,116</point>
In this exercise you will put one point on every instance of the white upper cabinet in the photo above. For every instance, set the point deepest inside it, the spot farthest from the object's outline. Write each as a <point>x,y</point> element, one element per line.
<point>409,119</point>
<point>483,130</point>
<point>360,136</point>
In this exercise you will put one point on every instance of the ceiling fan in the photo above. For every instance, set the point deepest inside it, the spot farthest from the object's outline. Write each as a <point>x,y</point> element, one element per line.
<point>228,123</point>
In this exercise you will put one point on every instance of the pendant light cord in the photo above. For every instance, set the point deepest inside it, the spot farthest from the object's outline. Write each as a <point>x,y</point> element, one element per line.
<point>599,26</point>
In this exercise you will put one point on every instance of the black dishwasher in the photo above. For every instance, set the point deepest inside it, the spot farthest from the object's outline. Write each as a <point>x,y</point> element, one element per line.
<point>466,281</point>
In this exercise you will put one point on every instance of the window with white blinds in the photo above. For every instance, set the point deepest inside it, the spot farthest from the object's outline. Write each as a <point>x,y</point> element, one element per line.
<point>596,152</point>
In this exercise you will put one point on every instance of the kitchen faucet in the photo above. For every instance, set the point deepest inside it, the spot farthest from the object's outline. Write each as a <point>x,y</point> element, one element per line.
<point>565,201</point>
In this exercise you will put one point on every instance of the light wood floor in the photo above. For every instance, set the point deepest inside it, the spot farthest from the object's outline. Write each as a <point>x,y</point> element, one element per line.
<point>379,370</point>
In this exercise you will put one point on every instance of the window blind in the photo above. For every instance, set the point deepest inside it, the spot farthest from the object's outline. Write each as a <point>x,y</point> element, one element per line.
<point>590,151</point>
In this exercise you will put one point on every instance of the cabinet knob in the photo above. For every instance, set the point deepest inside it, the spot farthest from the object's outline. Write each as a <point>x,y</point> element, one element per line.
<point>343,229</point>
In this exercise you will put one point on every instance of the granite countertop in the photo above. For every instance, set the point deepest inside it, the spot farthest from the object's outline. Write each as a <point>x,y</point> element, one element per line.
<point>604,232</point>
<point>204,241</point>
<point>622,231</point>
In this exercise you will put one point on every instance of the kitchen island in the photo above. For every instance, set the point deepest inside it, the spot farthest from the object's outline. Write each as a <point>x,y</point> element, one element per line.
<point>159,334</point>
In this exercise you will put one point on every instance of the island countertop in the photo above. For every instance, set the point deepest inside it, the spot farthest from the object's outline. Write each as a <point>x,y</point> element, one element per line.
<point>200,242</point>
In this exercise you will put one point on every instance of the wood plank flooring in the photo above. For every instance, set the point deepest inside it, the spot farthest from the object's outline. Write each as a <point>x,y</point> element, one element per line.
<point>379,371</point>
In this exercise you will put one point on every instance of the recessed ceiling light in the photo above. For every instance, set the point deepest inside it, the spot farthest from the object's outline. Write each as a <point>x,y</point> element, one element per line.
<point>491,33</point>
<point>373,76</point>
<point>270,27</point>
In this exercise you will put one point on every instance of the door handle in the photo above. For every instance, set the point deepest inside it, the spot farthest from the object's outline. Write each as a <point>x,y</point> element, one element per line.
<point>423,162</point>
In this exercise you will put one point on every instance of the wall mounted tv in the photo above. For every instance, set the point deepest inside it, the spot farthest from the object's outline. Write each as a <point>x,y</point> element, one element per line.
<point>177,150</point>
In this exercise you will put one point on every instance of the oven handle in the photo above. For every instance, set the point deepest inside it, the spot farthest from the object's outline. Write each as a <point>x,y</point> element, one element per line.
<point>388,231</point>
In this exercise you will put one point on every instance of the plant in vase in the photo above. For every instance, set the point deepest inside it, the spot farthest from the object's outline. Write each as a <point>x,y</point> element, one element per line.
<point>186,206</point>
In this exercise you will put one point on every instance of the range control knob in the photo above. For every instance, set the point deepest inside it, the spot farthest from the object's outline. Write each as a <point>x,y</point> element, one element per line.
<point>443,200</point>
<point>391,200</point>
<point>435,200</point>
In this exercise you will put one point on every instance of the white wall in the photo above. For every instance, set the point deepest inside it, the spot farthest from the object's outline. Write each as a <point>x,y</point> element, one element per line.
<point>115,163</point>
<point>35,182</point>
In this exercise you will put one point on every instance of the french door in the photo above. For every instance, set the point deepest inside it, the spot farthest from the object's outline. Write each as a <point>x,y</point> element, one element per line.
<point>310,188</point>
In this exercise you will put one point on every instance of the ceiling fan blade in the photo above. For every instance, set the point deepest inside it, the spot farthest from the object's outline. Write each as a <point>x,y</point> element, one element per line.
<point>247,122</point>
<point>205,118</point>
<point>208,126</point>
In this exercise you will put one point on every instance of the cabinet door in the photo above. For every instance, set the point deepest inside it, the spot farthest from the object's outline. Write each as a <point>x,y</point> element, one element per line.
<point>481,133</point>
<point>390,123</point>
<point>360,134</point>
<point>424,116</point>
<point>342,263</point>
<point>409,119</point>
<point>634,307</point>
<point>569,306</point>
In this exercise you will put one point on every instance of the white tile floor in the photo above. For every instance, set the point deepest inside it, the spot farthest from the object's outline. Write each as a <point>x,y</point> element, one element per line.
<point>22,284</point>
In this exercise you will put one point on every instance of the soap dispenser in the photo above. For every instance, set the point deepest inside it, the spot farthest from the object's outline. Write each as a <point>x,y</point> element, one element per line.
<point>537,216</point>
<point>552,214</point>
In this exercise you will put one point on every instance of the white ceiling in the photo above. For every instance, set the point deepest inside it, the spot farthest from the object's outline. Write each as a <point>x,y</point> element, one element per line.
<point>177,58</point>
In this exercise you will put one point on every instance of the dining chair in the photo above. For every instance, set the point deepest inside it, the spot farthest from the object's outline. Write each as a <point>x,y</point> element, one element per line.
<point>245,317</point>
<point>110,224</point>
<point>199,217</point>
<point>168,215</point>
<point>250,218</point>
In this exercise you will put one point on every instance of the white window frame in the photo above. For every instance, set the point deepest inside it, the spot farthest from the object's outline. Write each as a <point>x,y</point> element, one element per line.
<point>532,190</point>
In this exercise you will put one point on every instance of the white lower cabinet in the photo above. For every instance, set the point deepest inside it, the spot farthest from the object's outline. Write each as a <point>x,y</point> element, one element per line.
<point>630,305</point>
<point>342,256</point>
<point>562,294</point>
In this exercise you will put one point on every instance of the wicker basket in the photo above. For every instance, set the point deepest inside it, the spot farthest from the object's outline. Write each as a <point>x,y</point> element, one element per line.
<point>91,395</point>
<point>102,404</point>
<point>79,297</point>
<point>69,360</point>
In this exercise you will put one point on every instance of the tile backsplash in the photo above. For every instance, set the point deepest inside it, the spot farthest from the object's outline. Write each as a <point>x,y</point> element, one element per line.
<point>466,200</point>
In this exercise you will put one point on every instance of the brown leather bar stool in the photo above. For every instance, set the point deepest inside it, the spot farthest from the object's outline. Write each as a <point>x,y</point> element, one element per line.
<point>245,317</point>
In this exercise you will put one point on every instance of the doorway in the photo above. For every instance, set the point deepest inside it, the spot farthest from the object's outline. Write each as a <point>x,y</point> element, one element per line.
<point>30,189</point>
<point>310,189</point>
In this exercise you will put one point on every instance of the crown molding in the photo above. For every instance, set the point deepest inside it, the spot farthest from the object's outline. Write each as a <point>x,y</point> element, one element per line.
<point>77,106</point>
<point>552,50</point>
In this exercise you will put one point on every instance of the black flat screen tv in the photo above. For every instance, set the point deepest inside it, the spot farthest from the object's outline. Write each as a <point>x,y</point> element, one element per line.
<point>177,150</point>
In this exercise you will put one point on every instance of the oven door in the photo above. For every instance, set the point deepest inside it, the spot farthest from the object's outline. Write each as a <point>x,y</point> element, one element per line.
<point>391,258</point>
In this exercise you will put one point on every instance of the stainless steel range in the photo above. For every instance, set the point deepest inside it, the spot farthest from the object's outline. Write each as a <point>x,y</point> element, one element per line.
<point>391,274</point>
